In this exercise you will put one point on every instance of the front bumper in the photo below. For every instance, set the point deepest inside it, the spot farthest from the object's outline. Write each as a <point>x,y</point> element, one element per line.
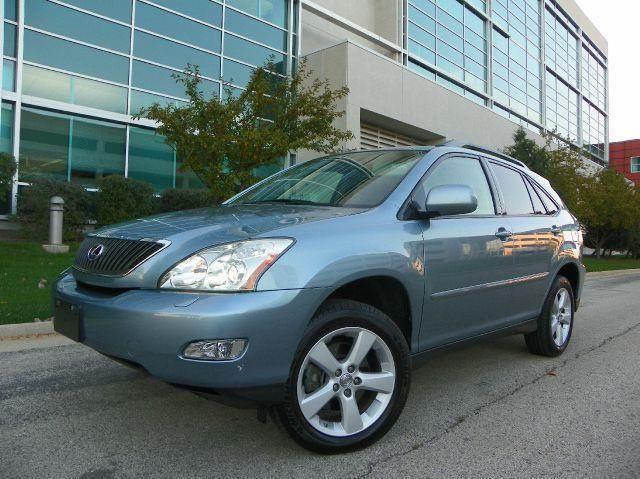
<point>150,328</point>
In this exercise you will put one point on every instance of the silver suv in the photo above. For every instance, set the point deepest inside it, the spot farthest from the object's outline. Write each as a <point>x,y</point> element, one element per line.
<point>312,293</point>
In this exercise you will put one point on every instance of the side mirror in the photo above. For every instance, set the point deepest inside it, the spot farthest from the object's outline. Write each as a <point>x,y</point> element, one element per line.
<point>447,200</point>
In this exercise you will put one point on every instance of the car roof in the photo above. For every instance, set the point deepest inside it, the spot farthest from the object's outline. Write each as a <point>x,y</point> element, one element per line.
<point>460,145</point>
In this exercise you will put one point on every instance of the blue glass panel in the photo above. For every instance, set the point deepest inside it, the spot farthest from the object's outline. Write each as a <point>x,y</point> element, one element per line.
<point>58,86</point>
<point>251,53</point>
<point>256,30</point>
<point>73,24</point>
<point>44,144</point>
<point>423,52</point>
<point>174,54</point>
<point>141,99</point>
<point>175,26</point>
<point>9,75</point>
<point>9,40</point>
<point>274,11</point>
<point>453,7</point>
<point>421,70</point>
<point>116,9</point>
<point>10,10</point>
<point>424,21</point>
<point>97,150</point>
<point>70,56</point>
<point>204,10</point>
<point>422,36</point>
<point>426,6</point>
<point>158,79</point>
<point>6,128</point>
<point>150,158</point>
<point>237,73</point>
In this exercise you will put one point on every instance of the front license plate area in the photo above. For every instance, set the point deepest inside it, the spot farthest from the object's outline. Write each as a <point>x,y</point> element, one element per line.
<point>68,320</point>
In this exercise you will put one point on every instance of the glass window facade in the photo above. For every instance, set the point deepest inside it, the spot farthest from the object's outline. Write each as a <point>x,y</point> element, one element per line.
<point>450,36</point>
<point>544,73</point>
<point>90,65</point>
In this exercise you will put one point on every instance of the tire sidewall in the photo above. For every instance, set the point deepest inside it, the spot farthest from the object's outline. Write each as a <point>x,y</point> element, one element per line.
<point>327,321</point>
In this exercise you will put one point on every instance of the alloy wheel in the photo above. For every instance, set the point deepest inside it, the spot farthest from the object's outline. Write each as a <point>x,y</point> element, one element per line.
<point>346,381</point>
<point>561,317</point>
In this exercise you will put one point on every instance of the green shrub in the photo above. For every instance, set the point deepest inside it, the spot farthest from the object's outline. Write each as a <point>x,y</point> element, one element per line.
<point>174,199</point>
<point>33,208</point>
<point>121,199</point>
<point>7,170</point>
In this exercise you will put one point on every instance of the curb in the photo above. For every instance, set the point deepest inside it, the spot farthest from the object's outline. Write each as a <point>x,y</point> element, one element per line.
<point>613,272</point>
<point>8,331</point>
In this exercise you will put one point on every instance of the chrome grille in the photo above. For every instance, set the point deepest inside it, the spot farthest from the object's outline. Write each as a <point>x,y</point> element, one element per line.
<point>119,256</point>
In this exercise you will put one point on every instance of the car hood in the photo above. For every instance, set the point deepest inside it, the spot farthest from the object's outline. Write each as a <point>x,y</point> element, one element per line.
<point>221,224</point>
<point>189,231</point>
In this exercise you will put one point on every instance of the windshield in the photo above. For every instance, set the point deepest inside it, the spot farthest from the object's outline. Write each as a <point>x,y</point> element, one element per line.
<point>357,180</point>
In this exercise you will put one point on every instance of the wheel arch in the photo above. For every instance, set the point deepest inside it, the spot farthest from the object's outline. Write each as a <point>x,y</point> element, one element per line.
<point>384,292</point>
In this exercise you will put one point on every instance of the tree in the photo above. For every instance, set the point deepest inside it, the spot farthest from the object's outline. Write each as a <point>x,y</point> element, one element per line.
<point>529,152</point>
<point>606,205</point>
<point>610,208</point>
<point>224,140</point>
<point>7,170</point>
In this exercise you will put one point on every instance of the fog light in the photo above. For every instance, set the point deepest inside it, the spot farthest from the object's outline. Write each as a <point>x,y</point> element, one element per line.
<point>215,349</point>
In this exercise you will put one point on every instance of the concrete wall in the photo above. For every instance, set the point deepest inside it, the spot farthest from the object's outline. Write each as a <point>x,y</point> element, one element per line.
<point>385,93</point>
<point>376,24</point>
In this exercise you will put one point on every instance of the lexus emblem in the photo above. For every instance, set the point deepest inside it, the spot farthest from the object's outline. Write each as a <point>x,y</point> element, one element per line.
<point>95,252</point>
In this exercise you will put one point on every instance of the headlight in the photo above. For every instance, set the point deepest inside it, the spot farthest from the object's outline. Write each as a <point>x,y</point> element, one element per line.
<point>230,267</point>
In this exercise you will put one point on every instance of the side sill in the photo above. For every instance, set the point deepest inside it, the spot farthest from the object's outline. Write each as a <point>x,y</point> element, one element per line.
<point>527,326</point>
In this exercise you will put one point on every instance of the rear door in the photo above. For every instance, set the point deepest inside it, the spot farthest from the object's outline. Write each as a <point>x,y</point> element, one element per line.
<point>534,241</point>
<point>466,261</point>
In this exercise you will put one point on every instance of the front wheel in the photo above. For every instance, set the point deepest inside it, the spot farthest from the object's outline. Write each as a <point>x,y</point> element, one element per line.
<point>555,324</point>
<point>349,381</point>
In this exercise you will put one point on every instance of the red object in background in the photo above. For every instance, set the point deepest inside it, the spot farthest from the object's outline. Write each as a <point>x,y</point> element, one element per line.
<point>620,154</point>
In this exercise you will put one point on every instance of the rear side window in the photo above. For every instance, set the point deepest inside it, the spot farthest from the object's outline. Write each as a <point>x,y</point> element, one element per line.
<point>514,190</point>
<point>460,171</point>
<point>538,206</point>
<point>548,203</point>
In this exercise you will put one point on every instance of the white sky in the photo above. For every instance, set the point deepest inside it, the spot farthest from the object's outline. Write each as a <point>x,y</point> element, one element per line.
<point>618,21</point>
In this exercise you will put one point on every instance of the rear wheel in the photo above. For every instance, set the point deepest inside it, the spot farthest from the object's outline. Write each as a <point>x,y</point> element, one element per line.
<point>349,381</point>
<point>555,324</point>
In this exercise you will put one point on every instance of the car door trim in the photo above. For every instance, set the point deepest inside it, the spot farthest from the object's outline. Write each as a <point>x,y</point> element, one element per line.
<point>486,286</point>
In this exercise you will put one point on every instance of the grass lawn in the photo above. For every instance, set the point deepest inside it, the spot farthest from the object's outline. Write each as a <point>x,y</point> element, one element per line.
<point>610,264</point>
<point>23,266</point>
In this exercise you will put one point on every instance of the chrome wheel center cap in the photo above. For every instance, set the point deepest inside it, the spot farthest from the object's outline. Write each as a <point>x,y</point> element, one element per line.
<point>345,380</point>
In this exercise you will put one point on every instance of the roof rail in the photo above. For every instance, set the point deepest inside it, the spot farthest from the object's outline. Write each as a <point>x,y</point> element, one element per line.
<point>482,149</point>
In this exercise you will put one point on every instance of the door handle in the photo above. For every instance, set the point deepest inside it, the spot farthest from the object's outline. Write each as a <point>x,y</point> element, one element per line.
<point>504,234</point>
<point>556,230</point>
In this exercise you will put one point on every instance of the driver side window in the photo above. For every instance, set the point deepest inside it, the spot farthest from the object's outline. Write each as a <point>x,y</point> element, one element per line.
<point>459,171</point>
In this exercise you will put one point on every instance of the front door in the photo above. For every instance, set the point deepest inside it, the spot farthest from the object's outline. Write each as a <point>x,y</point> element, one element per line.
<point>467,259</point>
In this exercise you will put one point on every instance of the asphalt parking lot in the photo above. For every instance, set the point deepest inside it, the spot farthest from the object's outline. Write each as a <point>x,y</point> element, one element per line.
<point>487,411</point>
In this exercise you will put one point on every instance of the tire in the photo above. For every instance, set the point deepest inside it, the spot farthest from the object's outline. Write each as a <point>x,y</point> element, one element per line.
<point>552,335</point>
<point>346,328</point>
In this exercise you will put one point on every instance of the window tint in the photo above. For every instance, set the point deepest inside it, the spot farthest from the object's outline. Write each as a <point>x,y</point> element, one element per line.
<point>74,24</point>
<point>514,191</point>
<point>538,206</point>
<point>74,57</point>
<point>548,203</point>
<point>460,171</point>
<point>175,26</point>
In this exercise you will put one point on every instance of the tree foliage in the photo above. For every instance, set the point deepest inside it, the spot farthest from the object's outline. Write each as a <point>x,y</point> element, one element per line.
<point>120,199</point>
<point>33,207</point>
<point>605,203</point>
<point>224,140</point>
<point>7,170</point>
